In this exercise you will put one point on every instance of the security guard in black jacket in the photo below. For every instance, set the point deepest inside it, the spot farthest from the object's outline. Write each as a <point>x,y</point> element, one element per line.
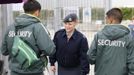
<point>71,48</point>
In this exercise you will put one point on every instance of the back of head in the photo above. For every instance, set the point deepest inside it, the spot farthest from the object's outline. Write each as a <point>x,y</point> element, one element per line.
<point>116,14</point>
<point>30,6</point>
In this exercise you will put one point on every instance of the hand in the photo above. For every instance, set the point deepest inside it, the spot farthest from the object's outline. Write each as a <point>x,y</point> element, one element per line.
<point>53,68</point>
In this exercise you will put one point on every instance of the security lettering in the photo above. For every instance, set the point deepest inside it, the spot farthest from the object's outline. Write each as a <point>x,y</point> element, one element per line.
<point>115,43</point>
<point>20,33</point>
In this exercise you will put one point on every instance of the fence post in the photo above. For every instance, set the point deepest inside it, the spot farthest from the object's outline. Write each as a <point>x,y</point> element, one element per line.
<point>6,20</point>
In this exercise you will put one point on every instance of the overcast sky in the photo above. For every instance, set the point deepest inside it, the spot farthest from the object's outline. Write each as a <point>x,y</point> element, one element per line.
<point>122,3</point>
<point>114,3</point>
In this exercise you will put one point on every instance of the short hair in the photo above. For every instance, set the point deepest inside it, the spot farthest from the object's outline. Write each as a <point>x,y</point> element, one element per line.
<point>116,13</point>
<point>30,6</point>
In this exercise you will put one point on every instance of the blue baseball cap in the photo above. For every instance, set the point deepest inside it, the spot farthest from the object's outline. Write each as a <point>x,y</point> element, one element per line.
<point>70,18</point>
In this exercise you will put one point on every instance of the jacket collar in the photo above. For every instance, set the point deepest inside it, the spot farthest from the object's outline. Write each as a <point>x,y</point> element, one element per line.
<point>74,35</point>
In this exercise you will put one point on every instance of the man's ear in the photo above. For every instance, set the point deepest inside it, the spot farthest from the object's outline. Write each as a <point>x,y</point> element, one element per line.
<point>37,13</point>
<point>108,20</point>
<point>77,21</point>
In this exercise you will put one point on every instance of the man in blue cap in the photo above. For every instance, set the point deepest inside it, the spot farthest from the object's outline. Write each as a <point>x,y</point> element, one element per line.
<point>71,48</point>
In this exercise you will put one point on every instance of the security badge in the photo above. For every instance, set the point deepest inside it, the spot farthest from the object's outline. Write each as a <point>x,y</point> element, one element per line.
<point>70,19</point>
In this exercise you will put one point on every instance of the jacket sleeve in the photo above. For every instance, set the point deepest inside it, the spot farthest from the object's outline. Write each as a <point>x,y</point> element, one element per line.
<point>53,57</point>
<point>4,49</point>
<point>91,54</point>
<point>130,57</point>
<point>83,57</point>
<point>43,40</point>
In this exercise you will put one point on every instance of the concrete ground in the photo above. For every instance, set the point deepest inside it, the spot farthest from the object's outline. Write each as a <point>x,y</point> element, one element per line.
<point>49,72</point>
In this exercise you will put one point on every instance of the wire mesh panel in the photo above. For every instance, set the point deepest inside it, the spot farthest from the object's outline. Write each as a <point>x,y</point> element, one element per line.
<point>90,13</point>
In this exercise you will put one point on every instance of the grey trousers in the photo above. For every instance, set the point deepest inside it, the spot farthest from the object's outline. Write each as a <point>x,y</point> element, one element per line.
<point>68,71</point>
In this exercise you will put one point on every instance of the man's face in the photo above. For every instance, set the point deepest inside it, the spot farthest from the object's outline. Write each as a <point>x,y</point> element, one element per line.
<point>70,26</point>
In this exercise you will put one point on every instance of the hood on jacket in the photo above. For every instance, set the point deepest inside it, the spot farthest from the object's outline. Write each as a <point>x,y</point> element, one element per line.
<point>25,20</point>
<point>114,32</point>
